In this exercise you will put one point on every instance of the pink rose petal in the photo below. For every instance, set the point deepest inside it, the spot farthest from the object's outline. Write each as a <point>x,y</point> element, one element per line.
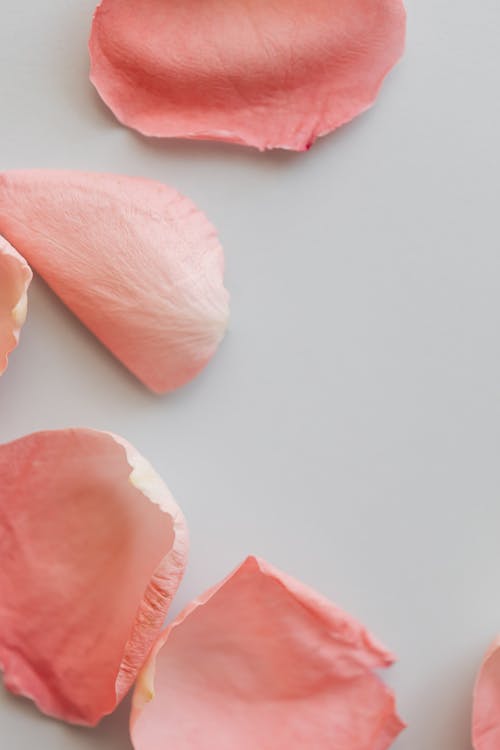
<point>15,278</point>
<point>266,74</point>
<point>93,548</point>
<point>486,714</point>
<point>261,662</point>
<point>134,260</point>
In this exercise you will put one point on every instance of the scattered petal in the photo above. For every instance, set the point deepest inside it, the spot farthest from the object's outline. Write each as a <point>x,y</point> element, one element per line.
<point>134,260</point>
<point>15,278</point>
<point>263,74</point>
<point>93,548</point>
<point>260,661</point>
<point>486,714</point>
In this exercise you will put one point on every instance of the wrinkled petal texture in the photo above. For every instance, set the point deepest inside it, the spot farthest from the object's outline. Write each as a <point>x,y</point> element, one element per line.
<point>265,74</point>
<point>137,263</point>
<point>261,662</point>
<point>486,713</point>
<point>93,548</point>
<point>15,278</point>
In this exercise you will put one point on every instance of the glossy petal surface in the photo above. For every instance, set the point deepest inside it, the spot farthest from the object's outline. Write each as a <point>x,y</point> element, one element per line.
<point>262,662</point>
<point>93,548</point>
<point>486,715</point>
<point>266,74</point>
<point>15,278</point>
<point>134,260</point>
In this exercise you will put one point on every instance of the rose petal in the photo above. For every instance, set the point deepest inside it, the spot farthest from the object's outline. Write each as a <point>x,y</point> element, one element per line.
<point>486,713</point>
<point>262,662</point>
<point>264,74</point>
<point>134,260</point>
<point>15,278</point>
<point>93,548</point>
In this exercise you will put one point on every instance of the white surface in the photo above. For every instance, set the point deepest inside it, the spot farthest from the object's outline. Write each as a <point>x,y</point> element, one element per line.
<point>348,429</point>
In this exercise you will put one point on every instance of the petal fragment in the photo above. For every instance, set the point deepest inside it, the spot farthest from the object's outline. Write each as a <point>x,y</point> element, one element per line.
<point>260,661</point>
<point>15,278</point>
<point>93,548</point>
<point>138,263</point>
<point>486,713</point>
<point>264,74</point>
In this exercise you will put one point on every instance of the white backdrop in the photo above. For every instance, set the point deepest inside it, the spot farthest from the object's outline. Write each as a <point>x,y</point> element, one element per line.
<point>348,429</point>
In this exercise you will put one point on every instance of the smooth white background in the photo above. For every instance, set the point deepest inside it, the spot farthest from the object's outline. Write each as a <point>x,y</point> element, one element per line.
<point>348,429</point>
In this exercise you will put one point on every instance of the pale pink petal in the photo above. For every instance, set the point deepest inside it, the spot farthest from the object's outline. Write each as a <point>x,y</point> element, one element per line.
<point>92,548</point>
<point>134,260</point>
<point>260,662</point>
<point>486,714</point>
<point>266,74</point>
<point>15,278</point>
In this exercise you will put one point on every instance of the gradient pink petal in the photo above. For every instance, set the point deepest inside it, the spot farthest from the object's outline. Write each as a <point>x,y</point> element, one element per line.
<point>138,263</point>
<point>486,712</point>
<point>15,278</point>
<point>93,549</point>
<point>264,74</point>
<point>262,662</point>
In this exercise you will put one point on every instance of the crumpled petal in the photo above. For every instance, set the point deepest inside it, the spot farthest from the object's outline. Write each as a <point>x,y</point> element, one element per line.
<point>138,263</point>
<point>260,662</point>
<point>92,549</point>
<point>15,278</point>
<point>486,713</point>
<point>265,74</point>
